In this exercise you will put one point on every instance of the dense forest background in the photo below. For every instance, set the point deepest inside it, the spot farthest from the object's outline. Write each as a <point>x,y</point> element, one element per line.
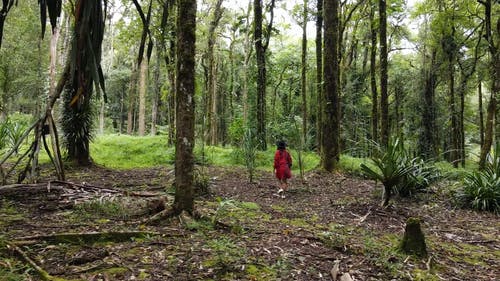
<point>146,108</point>
<point>425,72</point>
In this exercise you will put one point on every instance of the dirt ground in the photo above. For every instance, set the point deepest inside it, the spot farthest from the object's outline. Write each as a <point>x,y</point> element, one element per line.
<point>245,232</point>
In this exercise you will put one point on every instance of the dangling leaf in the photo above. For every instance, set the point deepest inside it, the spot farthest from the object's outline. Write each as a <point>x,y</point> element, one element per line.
<point>6,5</point>
<point>54,7</point>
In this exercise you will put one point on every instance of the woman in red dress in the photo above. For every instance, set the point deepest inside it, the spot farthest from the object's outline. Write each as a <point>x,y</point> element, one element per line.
<point>282,165</point>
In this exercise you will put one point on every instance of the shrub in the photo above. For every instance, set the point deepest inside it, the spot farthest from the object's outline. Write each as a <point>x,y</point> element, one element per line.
<point>482,188</point>
<point>398,171</point>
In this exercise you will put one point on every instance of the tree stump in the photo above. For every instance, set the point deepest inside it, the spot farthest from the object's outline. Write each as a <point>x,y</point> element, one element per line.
<point>413,240</point>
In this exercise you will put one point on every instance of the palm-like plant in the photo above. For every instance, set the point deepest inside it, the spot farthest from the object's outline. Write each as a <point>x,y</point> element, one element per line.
<point>482,188</point>
<point>85,68</point>
<point>392,168</point>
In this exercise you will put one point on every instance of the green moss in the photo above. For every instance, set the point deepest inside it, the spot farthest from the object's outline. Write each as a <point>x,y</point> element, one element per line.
<point>413,240</point>
<point>9,213</point>
<point>423,275</point>
<point>259,272</point>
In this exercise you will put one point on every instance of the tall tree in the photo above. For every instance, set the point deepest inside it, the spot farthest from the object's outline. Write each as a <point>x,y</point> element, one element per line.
<point>373,74</point>
<point>261,39</point>
<point>331,123</point>
<point>78,118</point>
<point>185,90</point>
<point>319,72</point>
<point>384,95</point>
<point>303,72</point>
<point>494,49</point>
<point>212,93</point>
<point>143,63</point>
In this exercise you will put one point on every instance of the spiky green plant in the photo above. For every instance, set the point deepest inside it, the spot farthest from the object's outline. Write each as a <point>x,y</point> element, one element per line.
<point>84,75</point>
<point>250,152</point>
<point>16,131</point>
<point>392,168</point>
<point>482,188</point>
<point>77,124</point>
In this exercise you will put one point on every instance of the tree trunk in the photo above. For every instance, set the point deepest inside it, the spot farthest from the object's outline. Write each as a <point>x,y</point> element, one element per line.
<point>373,74</point>
<point>319,73</point>
<point>185,91</point>
<point>143,85</point>
<point>246,64</point>
<point>454,126</point>
<point>331,124</point>
<point>171,98</point>
<point>261,43</point>
<point>384,97</point>
<point>481,113</point>
<point>261,74</point>
<point>303,71</point>
<point>156,92</point>
<point>413,242</point>
<point>131,100</point>
<point>212,73</point>
<point>427,140</point>
<point>495,82</point>
<point>77,111</point>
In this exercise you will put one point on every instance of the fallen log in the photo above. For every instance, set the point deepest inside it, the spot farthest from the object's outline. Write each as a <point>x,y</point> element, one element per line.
<point>88,237</point>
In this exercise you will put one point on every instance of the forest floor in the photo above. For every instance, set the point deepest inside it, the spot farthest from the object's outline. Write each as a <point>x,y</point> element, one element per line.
<point>91,228</point>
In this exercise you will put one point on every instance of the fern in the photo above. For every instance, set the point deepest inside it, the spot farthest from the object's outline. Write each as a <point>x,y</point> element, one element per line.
<point>482,188</point>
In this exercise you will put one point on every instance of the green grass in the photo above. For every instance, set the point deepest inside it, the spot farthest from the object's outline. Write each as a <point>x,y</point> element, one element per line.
<point>127,152</point>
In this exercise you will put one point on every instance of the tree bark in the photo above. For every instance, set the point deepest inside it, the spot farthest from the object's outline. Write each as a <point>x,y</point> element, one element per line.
<point>319,73</point>
<point>143,85</point>
<point>331,124</point>
<point>481,112</point>
<point>131,100</point>
<point>261,73</point>
<point>413,242</point>
<point>303,71</point>
<point>212,73</point>
<point>428,140</point>
<point>248,49</point>
<point>156,93</point>
<point>261,43</point>
<point>384,96</point>
<point>373,74</point>
<point>184,158</point>
<point>495,82</point>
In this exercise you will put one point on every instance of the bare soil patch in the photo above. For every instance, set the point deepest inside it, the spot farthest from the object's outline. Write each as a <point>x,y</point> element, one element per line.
<point>246,231</point>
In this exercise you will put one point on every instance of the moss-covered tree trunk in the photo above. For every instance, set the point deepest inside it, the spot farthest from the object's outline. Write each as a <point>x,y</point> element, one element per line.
<point>494,47</point>
<point>373,74</point>
<point>330,149</point>
<point>319,72</point>
<point>413,242</point>
<point>384,95</point>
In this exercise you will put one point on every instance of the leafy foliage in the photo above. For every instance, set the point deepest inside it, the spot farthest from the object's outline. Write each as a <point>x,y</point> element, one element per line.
<point>250,151</point>
<point>398,171</point>
<point>482,188</point>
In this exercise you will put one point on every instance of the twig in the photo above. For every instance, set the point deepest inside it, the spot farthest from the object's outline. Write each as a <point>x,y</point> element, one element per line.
<point>40,271</point>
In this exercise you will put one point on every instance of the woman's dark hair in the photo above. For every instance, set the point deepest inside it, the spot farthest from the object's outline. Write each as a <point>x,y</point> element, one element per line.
<point>281,144</point>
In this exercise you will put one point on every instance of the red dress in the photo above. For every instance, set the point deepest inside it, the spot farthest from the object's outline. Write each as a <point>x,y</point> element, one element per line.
<point>282,164</point>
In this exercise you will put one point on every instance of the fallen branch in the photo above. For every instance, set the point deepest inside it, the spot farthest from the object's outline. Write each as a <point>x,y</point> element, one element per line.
<point>40,271</point>
<point>88,237</point>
